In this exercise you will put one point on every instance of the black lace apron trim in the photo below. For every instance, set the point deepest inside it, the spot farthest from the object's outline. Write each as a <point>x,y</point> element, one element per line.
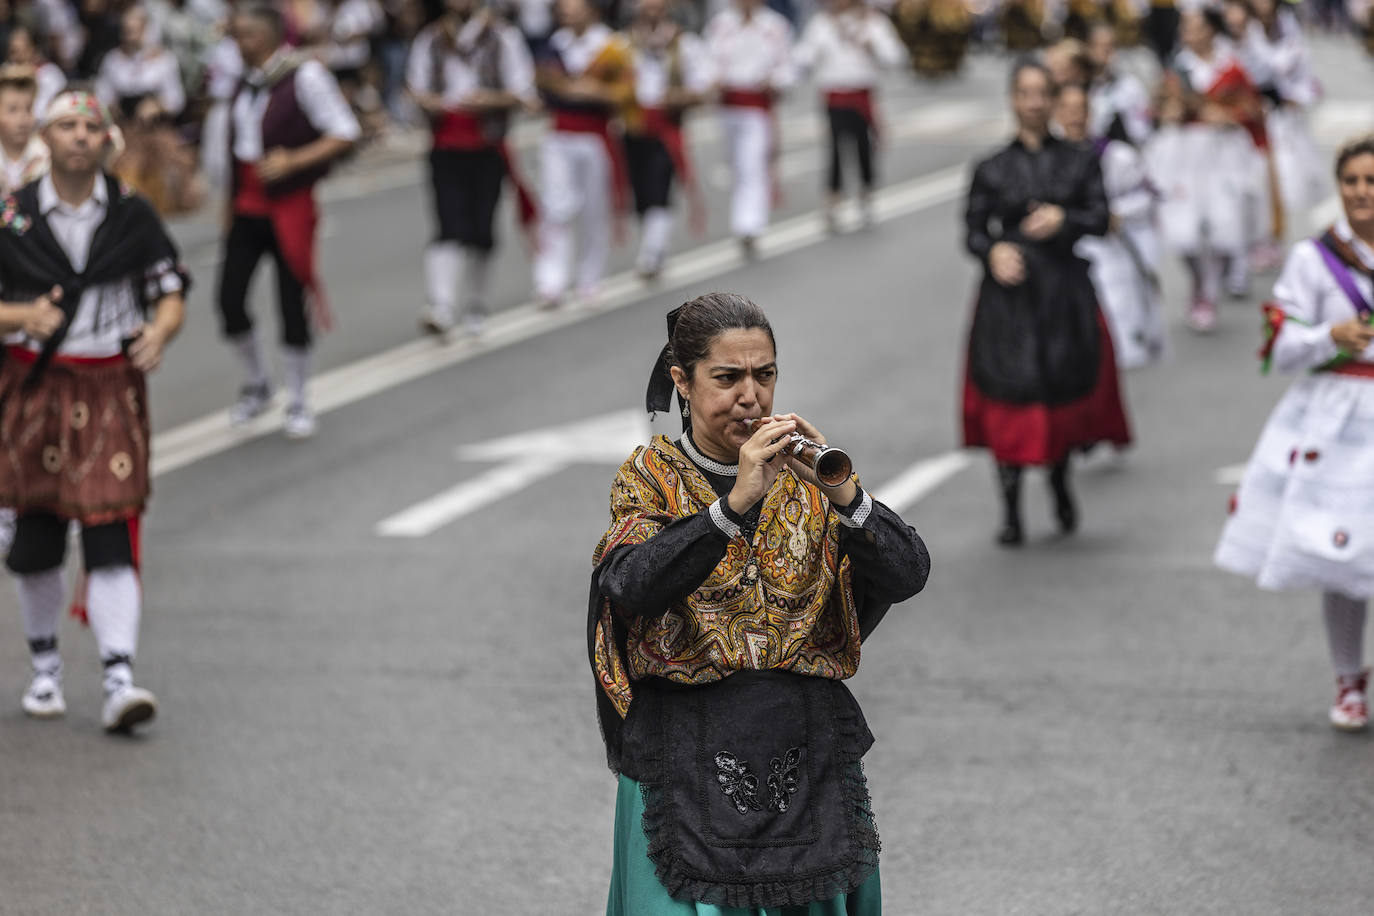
<point>754,790</point>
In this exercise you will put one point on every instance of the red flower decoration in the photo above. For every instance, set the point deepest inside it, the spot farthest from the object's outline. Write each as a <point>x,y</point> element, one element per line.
<point>1311,455</point>
<point>1340,538</point>
<point>1232,504</point>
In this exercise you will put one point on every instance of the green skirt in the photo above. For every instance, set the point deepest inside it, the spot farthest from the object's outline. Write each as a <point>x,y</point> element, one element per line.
<point>636,891</point>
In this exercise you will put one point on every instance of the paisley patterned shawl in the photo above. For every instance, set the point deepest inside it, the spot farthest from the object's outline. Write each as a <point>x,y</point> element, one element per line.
<point>783,601</point>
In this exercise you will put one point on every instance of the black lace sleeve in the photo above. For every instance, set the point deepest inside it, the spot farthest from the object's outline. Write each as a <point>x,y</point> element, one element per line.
<point>890,564</point>
<point>981,204</point>
<point>649,578</point>
<point>1087,213</point>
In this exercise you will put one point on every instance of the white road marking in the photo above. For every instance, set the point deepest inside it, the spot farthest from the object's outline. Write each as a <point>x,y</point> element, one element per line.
<point>529,457</point>
<point>212,434</point>
<point>913,484</point>
<point>1230,476</point>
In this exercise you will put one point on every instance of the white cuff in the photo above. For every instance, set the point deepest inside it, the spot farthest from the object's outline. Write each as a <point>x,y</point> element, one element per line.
<point>860,515</point>
<point>727,527</point>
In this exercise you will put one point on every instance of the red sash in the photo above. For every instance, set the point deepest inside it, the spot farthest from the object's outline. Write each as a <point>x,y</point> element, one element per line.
<point>1362,370</point>
<point>586,122</point>
<point>460,130</point>
<point>27,356</point>
<point>659,123</point>
<point>860,100</point>
<point>747,98</point>
<point>294,218</point>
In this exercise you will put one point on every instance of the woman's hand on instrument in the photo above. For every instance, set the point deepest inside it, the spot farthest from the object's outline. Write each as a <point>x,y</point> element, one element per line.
<point>759,462</point>
<point>44,317</point>
<point>1006,264</point>
<point>843,494</point>
<point>1352,336</point>
<point>1042,222</point>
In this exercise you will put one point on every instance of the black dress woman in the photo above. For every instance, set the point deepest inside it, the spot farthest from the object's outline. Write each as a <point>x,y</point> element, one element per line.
<point>729,600</point>
<point>1041,377</point>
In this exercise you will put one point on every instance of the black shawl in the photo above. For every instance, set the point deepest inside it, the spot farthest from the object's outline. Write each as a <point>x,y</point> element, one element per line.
<point>129,244</point>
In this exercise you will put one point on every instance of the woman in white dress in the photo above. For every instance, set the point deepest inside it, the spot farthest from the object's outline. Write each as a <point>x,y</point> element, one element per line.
<point>1125,261</point>
<point>1304,514</point>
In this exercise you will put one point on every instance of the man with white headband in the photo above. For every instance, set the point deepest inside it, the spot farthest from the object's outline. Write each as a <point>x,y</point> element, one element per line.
<point>91,293</point>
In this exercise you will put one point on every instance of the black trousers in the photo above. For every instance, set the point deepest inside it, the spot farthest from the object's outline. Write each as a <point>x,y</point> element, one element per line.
<point>848,127</point>
<point>651,172</point>
<point>250,237</point>
<point>40,544</point>
<point>467,188</point>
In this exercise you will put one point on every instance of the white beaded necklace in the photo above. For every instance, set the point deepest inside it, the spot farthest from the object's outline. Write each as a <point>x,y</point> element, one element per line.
<point>706,464</point>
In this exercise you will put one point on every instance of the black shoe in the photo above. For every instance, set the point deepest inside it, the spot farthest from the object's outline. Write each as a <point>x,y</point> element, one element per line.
<point>1066,512</point>
<point>1011,536</point>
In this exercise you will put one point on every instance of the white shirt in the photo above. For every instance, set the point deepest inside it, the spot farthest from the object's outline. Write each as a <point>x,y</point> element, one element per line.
<point>832,48</point>
<point>535,17</point>
<point>353,22</point>
<point>108,313</point>
<point>1125,95</point>
<point>319,97</point>
<point>223,69</point>
<point>151,71</point>
<point>24,168</point>
<point>653,69</point>
<point>460,76</point>
<point>752,55</point>
<point>578,52</point>
<point>1307,291</point>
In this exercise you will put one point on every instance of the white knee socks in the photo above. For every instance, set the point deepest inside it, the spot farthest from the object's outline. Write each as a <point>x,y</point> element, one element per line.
<point>655,234</point>
<point>443,267</point>
<point>297,360</point>
<point>249,351</point>
<point>114,606</point>
<point>1345,618</point>
<point>40,603</point>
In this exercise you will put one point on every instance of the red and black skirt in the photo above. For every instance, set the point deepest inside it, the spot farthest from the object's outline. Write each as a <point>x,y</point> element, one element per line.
<point>76,443</point>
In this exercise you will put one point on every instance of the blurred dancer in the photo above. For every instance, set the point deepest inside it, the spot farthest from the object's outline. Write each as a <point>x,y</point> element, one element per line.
<point>1305,509</point>
<point>751,50</point>
<point>141,81</point>
<point>672,74</point>
<point>288,123</point>
<point>85,342</point>
<point>1041,378</point>
<point>1202,160</point>
<point>23,154</point>
<point>586,78</point>
<point>846,47</point>
<point>1116,94</point>
<point>467,71</point>
<point>23,49</point>
<point>1125,261</point>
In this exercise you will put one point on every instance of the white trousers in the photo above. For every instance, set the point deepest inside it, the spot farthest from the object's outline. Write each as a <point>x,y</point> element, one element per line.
<point>575,181</point>
<point>748,138</point>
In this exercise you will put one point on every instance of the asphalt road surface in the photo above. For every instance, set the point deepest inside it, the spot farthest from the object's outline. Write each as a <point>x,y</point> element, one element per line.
<point>369,646</point>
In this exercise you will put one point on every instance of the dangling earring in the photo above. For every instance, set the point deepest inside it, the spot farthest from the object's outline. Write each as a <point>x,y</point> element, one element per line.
<point>686,410</point>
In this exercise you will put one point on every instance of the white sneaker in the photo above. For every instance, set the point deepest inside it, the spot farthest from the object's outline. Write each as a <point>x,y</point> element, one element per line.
<point>475,320</point>
<point>300,422</point>
<point>435,324</point>
<point>43,699</point>
<point>126,707</point>
<point>253,400</point>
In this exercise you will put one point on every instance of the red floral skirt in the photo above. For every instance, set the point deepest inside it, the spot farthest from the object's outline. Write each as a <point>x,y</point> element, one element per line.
<point>1042,434</point>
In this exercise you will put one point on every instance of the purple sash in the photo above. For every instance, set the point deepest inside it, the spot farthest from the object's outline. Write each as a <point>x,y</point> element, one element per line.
<point>1341,272</point>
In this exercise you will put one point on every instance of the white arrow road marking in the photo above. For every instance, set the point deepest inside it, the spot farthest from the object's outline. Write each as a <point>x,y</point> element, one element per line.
<point>529,457</point>
<point>425,518</point>
<point>910,486</point>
